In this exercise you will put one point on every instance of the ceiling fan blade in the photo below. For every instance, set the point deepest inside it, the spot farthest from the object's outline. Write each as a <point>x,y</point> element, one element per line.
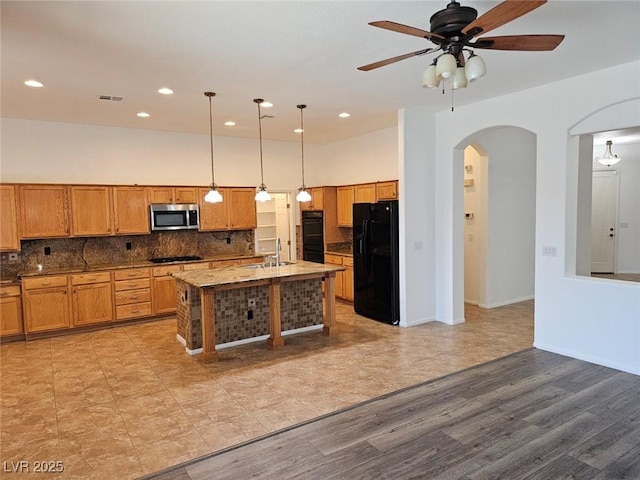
<point>532,43</point>
<point>500,14</point>
<point>382,63</point>
<point>398,27</point>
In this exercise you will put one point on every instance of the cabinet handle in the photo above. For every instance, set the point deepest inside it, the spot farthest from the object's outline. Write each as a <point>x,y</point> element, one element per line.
<point>134,297</point>
<point>135,311</point>
<point>45,284</point>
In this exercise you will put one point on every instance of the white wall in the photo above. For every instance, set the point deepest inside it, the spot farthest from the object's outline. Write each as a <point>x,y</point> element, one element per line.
<point>598,321</point>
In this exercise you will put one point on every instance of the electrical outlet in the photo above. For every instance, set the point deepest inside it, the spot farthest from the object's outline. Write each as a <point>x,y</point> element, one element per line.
<point>13,257</point>
<point>249,314</point>
<point>251,302</point>
<point>47,250</point>
<point>128,246</point>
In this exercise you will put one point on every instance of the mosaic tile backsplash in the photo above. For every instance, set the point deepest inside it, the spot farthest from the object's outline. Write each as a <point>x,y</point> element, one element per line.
<point>300,304</point>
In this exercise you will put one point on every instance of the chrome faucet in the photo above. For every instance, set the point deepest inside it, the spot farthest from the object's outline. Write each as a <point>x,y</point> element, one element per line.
<point>278,248</point>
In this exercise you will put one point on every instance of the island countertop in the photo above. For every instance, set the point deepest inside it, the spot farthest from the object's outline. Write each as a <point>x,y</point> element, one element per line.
<point>242,274</point>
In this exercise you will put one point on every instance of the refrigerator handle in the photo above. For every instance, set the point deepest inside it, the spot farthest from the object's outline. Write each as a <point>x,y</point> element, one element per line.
<point>365,245</point>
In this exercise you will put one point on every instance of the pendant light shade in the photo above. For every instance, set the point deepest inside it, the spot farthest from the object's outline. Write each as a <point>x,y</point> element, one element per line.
<point>303,194</point>
<point>213,195</point>
<point>475,68</point>
<point>430,78</point>
<point>261,195</point>
<point>608,158</point>
<point>446,66</point>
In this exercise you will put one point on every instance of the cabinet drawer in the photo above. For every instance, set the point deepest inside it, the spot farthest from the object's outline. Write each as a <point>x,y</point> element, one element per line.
<point>133,311</point>
<point>87,278</point>
<point>332,259</point>
<point>135,284</point>
<point>347,261</point>
<point>130,274</point>
<point>133,296</point>
<point>44,282</point>
<point>10,291</point>
<point>164,271</point>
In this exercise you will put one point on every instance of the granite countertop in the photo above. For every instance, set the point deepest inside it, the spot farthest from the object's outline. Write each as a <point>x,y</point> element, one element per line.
<point>342,248</point>
<point>130,264</point>
<point>242,274</point>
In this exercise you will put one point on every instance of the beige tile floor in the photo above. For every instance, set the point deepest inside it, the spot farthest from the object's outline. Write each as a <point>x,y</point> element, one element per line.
<point>128,401</point>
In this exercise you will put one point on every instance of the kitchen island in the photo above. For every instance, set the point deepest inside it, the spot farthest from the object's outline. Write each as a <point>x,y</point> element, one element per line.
<point>237,303</point>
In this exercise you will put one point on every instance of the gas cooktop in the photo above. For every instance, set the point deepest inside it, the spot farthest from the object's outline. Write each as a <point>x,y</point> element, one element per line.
<point>185,258</point>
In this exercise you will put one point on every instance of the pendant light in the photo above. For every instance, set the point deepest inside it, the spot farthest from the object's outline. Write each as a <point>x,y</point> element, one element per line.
<point>608,158</point>
<point>303,194</point>
<point>213,195</point>
<point>261,195</point>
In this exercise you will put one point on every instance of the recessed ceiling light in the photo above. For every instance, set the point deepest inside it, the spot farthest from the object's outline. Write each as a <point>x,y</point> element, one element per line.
<point>165,91</point>
<point>298,130</point>
<point>143,114</point>
<point>229,123</point>
<point>344,115</point>
<point>266,104</point>
<point>34,83</point>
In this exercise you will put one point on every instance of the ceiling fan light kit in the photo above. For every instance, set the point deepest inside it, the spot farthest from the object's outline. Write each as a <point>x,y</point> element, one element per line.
<point>454,29</point>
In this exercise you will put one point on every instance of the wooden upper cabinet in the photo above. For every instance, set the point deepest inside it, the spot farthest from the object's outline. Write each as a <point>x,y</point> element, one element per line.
<point>317,199</point>
<point>8,219</point>
<point>44,211</point>
<point>387,190</point>
<point>242,208</point>
<point>345,206</point>
<point>131,210</point>
<point>173,194</point>
<point>91,210</point>
<point>214,216</point>
<point>365,193</point>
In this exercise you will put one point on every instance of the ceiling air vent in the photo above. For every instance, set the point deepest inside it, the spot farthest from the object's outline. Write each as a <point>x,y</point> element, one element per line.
<point>111,98</point>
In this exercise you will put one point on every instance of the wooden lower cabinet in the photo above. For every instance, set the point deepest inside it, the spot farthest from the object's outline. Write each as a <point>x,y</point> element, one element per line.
<point>10,310</point>
<point>45,303</point>
<point>132,289</point>
<point>347,279</point>
<point>164,289</point>
<point>92,298</point>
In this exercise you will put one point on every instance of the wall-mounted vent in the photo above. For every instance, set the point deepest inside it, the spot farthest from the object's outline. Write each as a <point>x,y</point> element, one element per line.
<point>111,98</point>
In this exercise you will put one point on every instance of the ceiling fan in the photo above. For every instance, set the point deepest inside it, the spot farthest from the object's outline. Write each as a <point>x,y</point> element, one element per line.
<point>454,31</point>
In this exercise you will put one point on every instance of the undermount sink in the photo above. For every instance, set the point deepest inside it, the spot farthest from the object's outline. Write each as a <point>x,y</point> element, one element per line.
<point>268,265</point>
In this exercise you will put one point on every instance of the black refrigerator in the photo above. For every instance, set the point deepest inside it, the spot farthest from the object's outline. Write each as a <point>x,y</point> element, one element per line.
<point>376,261</point>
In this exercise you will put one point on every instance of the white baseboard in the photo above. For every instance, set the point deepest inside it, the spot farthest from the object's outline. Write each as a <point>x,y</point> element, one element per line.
<point>506,302</point>
<point>588,358</point>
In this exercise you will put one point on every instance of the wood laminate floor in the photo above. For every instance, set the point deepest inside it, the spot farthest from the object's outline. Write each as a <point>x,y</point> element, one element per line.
<point>532,415</point>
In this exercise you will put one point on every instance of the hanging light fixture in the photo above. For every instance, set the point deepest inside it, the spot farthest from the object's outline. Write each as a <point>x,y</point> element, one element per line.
<point>261,195</point>
<point>213,195</point>
<point>303,194</point>
<point>608,158</point>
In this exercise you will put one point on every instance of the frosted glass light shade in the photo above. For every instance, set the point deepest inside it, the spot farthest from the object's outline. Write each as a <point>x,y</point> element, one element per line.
<point>475,68</point>
<point>459,79</point>
<point>303,195</point>
<point>213,195</point>
<point>262,195</point>
<point>608,158</point>
<point>446,66</point>
<point>430,78</point>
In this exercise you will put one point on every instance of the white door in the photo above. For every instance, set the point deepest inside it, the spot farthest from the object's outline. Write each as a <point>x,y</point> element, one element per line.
<point>283,227</point>
<point>604,219</point>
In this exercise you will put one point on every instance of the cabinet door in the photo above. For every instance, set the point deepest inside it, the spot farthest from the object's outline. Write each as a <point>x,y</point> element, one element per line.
<point>242,208</point>
<point>8,219</point>
<point>185,195</point>
<point>387,190</point>
<point>10,316</point>
<point>131,210</point>
<point>164,295</point>
<point>91,210</point>
<point>160,195</point>
<point>92,303</point>
<point>345,206</point>
<point>317,199</point>
<point>214,216</point>
<point>365,193</point>
<point>44,211</point>
<point>347,284</point>
<point>46,309</point>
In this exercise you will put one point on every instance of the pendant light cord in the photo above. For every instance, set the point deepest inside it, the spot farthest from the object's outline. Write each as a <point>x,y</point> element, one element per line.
<point>213,181</point>
<point>260,133</point>
<point>302,107</point>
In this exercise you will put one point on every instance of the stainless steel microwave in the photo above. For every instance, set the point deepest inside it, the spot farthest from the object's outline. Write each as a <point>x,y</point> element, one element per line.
<point>172,216</point>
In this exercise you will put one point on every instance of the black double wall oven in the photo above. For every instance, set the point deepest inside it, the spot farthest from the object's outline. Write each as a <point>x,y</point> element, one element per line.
<point>312,236</point>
